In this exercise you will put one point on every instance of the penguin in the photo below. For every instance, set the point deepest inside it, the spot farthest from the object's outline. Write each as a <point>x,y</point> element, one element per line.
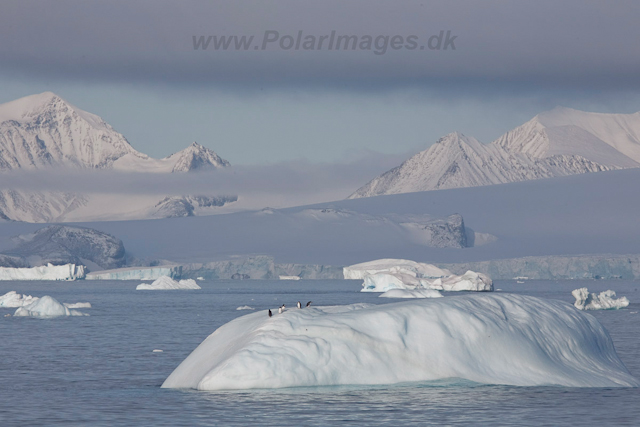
<point>308,304</point>
<point>299,305</point>
<point>280,310</point>
<point>270,313</point>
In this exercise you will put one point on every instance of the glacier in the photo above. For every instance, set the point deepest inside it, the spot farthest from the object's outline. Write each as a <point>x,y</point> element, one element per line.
<point>411,293</point>
<point>167,283</point>
<point>46,307</point>
<point>603,301</point>
<point>48,272</point>
<point>491,338</point>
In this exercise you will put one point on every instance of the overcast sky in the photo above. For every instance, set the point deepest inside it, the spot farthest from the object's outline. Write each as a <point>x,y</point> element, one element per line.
<point>134,64</point>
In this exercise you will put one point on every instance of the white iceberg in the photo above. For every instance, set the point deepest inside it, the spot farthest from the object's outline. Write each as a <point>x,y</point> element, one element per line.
<point>46,307</point>
<point>491,338</point>
<point>411,293</point>
<point>469,281</point>
<point>403,266</point>
<point>45,272</point>
<point>13,299</point>
<point>136,273</point>
<point>245,307</point>
<point>289,277</point>
<point>603,301</point>
<point>167,283</point>
<point>77,305</point>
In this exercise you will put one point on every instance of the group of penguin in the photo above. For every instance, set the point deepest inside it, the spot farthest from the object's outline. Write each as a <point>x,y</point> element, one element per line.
<point>281,308</point>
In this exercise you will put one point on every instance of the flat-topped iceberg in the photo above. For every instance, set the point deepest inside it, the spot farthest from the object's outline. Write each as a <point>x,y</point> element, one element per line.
<point>385,274</point>
<point>470,281</point>
<point>402,266</point>
<point>167,283</point>
<point>45,272</point>
<point>486,338</point>
<point>603,301</point>
<point>46,307</point>
<point>411,293</point>
<point>13,299</point>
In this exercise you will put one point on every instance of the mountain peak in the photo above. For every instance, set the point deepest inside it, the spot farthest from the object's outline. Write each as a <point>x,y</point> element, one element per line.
<point>196,157</point>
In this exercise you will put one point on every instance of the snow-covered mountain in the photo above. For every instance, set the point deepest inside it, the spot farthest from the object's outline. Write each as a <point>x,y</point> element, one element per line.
<point>44,132</point>
<point>555,143</point>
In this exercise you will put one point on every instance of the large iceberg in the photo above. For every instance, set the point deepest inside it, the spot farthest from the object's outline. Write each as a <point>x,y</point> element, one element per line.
<point>13,299</point>
<point>470,281</point>
<point>411,293</point>
<point>402,266</point>
<point>167,283</point>
<point>603,301</point>
<point>385,274</point>
<point>45,272</point>
<point>494,339</point>
<point>137,273</point>
<point>46,307</point>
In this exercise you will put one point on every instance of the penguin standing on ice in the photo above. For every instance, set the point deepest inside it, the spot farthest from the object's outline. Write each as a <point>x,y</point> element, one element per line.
<point>308,304</point>
<point>281,309</point>
<point>299,305</point>
<point>270,313</point>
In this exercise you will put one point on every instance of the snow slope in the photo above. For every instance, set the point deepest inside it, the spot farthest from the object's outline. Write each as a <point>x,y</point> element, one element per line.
<point>492,339</point>
<point>559,142</point>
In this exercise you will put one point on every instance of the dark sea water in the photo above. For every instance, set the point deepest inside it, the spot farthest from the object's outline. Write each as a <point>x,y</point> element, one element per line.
<point>101,369</point>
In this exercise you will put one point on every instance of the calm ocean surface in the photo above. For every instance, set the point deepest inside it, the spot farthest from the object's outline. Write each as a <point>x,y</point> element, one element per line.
<point>101,370</point>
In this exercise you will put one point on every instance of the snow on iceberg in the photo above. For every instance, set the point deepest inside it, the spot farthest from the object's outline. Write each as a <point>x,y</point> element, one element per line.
<point>45,272</point>
<point>403,266</point>
<point>603,301</point>
<point>46,307</point>
<point>13,299</point>
<point>469,281</point>
<point>411,293</point>
<point>492,338</point>
<point>167,283</point>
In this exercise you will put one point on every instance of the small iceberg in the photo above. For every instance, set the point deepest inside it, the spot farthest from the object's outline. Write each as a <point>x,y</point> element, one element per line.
<point>167,283</point>
<point>411,293</point>
<point>402,266</point>
<point>45,308</point>
<point>603,301</point>
<point>77,305</point>
<point>245,307</point>
<point>289,277</point>
<point>486,338</point>
<point>13,299</point>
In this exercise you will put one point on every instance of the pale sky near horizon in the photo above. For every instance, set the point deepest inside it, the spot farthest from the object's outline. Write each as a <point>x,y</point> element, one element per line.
<point>133,63</point>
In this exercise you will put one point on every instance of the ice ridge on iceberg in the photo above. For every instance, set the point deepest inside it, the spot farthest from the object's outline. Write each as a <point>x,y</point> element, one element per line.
<point>486,338</point>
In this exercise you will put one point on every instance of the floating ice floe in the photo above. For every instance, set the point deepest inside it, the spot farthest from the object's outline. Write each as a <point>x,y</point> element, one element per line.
<point>13,299</point>
<point>289,277</point>
<point>411,293</point>
<point>386,274</point>
<point>485,338</point>
<point>46,307</point>
<point>245,307</point>
<point>77,305</point>
<point>167,283</point>
<point>45,272</point>
<point>603,301</point>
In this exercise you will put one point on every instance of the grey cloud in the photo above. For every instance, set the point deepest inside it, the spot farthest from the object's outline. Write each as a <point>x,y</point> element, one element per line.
<point>542,44</point>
